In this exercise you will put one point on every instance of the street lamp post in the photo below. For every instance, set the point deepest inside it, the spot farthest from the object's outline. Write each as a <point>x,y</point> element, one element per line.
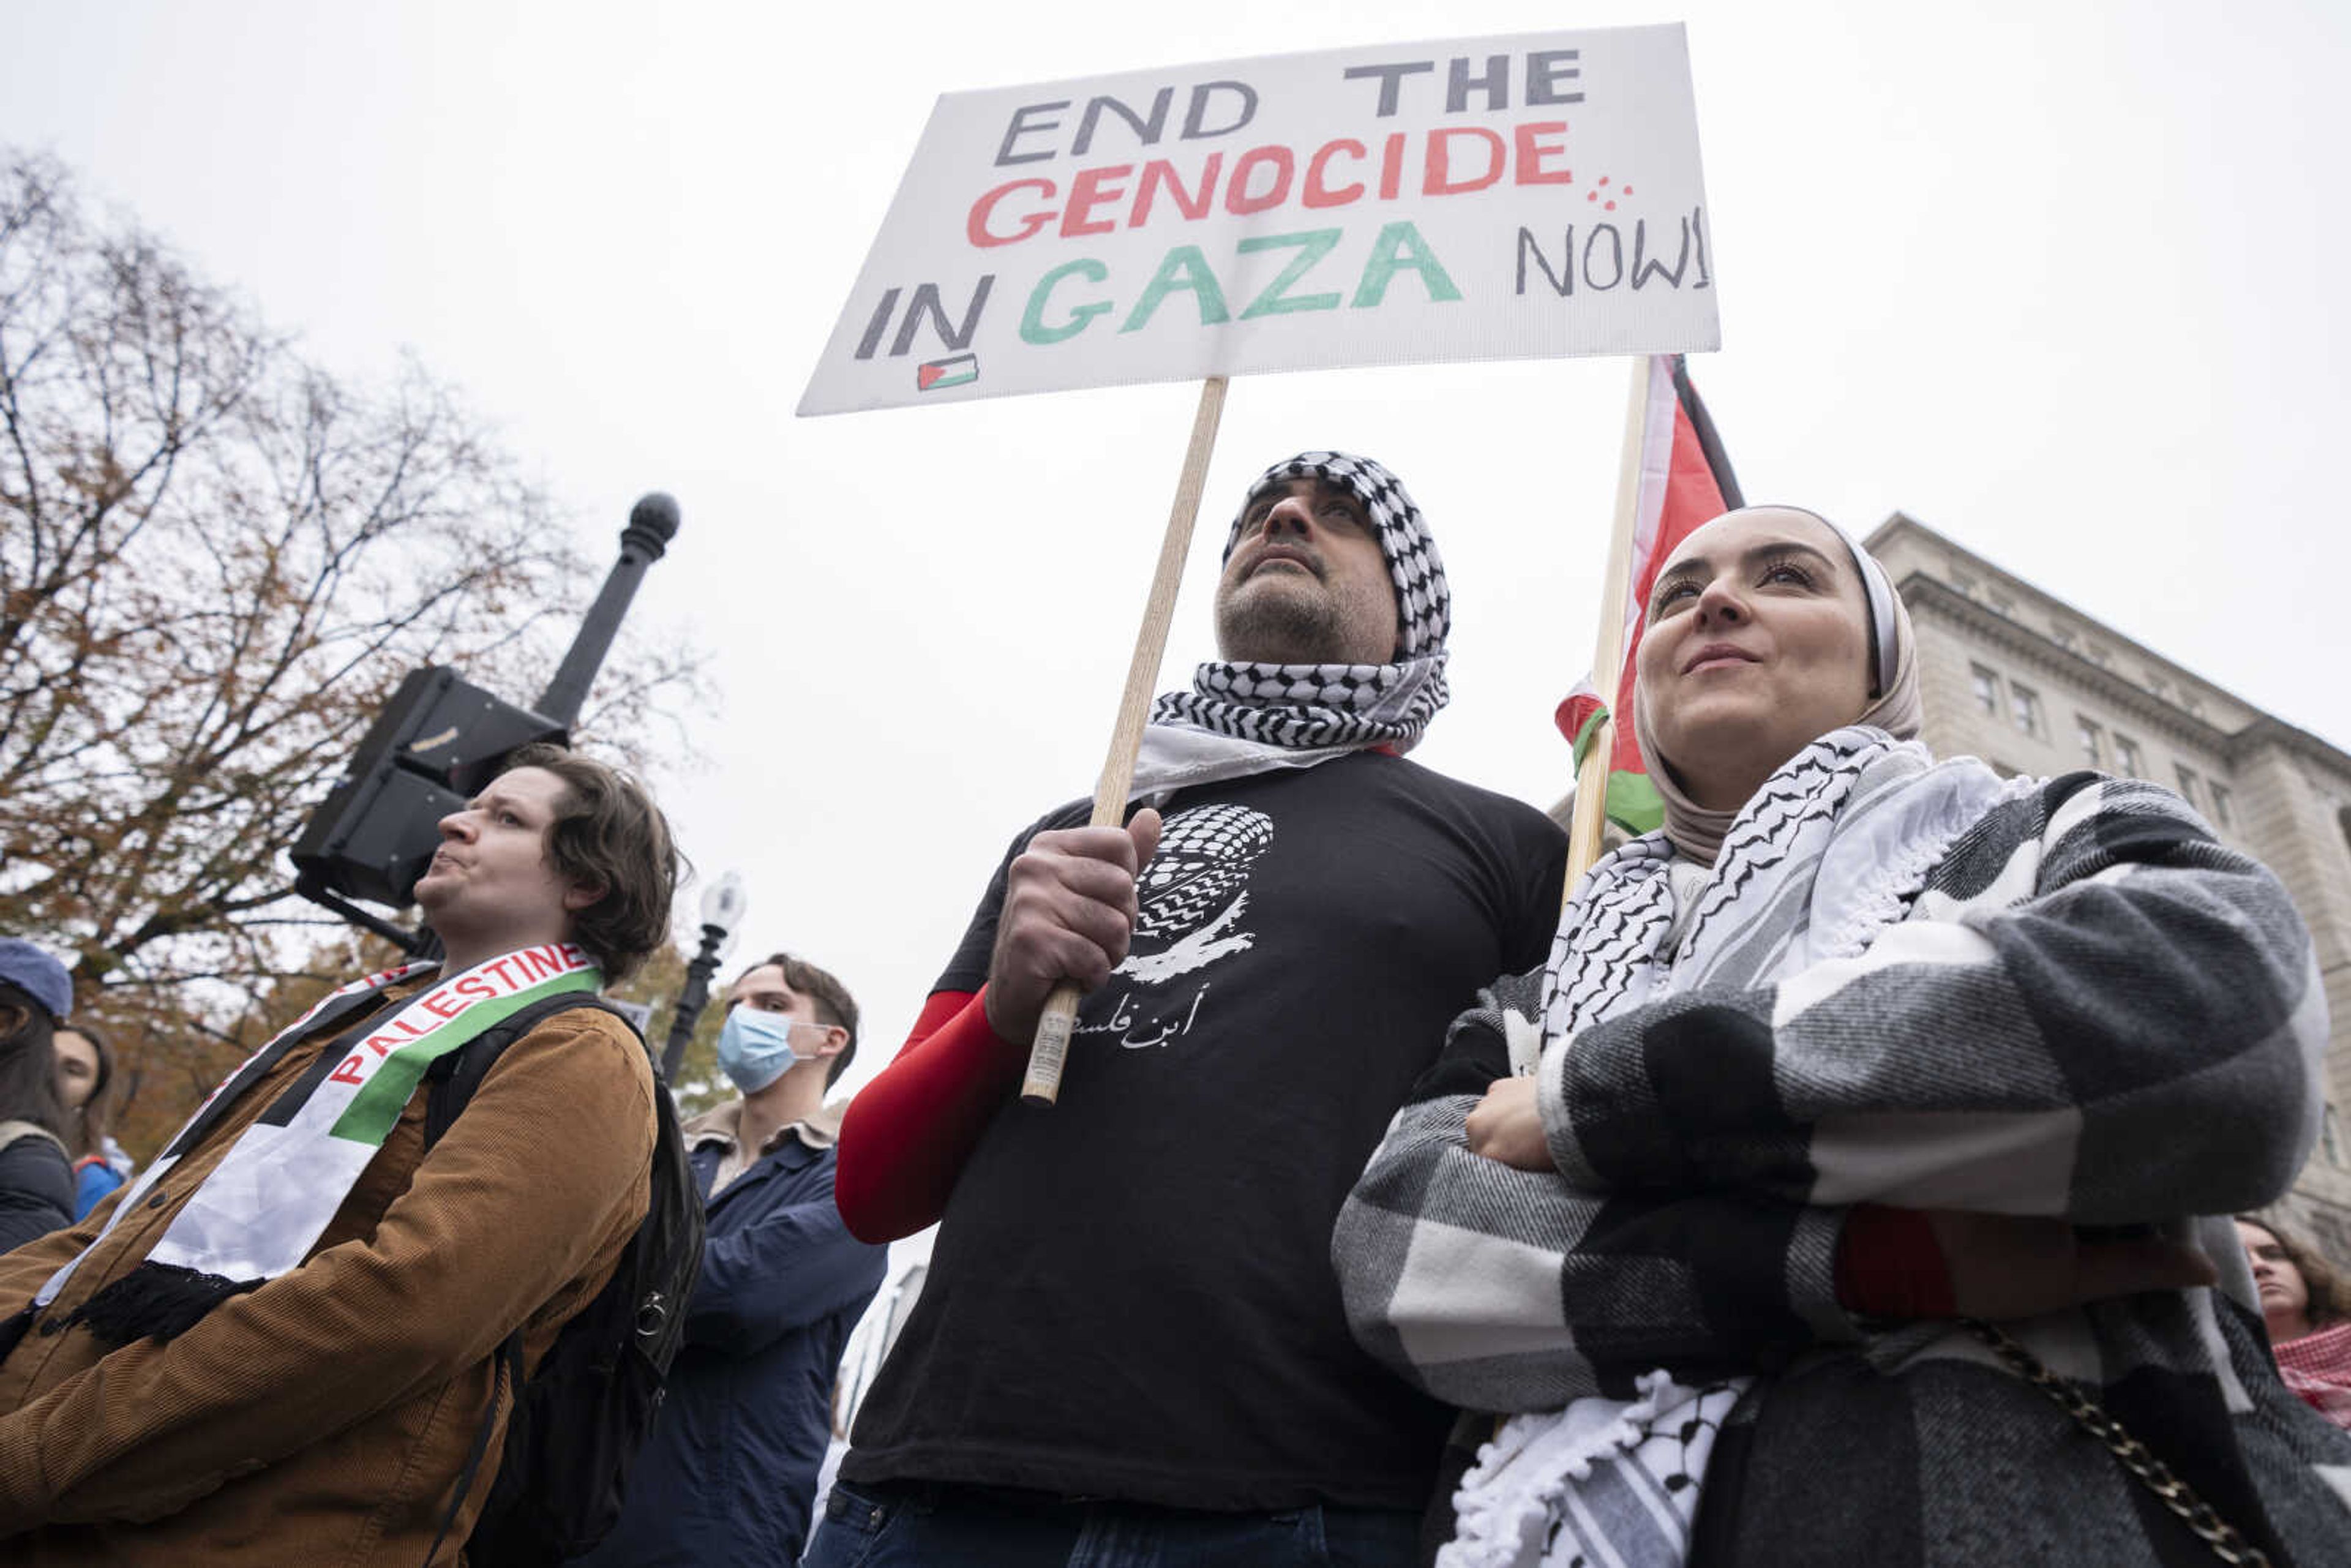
<point>652,523</point>
<point>722,914</point>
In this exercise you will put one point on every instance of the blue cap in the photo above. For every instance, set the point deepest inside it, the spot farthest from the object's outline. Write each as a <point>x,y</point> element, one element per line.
<point>36,974</point>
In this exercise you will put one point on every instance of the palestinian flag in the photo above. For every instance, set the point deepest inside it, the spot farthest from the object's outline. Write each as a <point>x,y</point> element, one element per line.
<point>1685,481</point>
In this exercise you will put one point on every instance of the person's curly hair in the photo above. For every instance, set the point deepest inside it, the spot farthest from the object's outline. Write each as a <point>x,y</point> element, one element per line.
<point>2329,1292</point>
<point>608,834</point>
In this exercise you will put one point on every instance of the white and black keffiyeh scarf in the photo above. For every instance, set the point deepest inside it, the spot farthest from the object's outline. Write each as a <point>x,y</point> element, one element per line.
<point>1309,707</point>
<point>1823,859</point>
<point>1776,900</point>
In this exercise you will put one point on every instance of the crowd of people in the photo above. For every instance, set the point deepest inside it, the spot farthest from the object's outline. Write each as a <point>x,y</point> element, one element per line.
<point>1874,1165</point>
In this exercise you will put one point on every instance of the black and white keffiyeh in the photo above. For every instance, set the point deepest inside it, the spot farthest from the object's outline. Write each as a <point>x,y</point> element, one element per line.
<point>1821,859</point>
<point>1307,706</point>
<point>1776,900</point>
<point>1901,982</point>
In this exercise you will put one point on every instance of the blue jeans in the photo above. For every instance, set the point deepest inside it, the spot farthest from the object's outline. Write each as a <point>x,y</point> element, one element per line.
<point>922,1526</point>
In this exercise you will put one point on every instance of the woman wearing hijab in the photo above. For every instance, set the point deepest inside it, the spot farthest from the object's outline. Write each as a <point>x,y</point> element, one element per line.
<point>1848,1217</point>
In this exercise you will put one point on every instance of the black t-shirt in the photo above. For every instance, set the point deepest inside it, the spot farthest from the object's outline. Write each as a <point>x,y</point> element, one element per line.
<point>1131,1294</point>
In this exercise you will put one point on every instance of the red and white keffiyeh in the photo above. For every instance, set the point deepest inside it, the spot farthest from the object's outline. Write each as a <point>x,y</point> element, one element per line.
<point>2317,1366</point>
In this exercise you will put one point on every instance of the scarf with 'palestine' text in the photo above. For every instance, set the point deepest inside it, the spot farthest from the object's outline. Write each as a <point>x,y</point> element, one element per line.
<point>263,1207</point>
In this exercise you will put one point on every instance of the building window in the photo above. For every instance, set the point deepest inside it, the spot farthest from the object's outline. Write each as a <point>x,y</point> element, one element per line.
<point>2127,758</point>
<point>2024,707</point>
<point>2091,737</point>
<point>1987,689</point>
<point>2222,813</point>
<point>2187,777</point>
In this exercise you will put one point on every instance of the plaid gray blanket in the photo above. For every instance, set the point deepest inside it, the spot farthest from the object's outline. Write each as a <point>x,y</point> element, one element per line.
<point>2088,1008</point>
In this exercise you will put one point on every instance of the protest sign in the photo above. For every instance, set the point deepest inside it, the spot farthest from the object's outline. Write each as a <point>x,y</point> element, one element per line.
<point>1494,198</point>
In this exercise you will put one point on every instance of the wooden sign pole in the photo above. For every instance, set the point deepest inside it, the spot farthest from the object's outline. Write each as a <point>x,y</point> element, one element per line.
<point>1583,832</point>
<point>1051,1049</point>
<point>1608,654</point>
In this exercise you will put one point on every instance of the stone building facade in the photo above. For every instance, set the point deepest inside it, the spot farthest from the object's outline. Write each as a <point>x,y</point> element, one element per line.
<point>2032,685</point>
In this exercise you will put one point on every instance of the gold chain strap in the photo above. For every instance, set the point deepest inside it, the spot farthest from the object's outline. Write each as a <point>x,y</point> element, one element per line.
<point>2153,1473</point>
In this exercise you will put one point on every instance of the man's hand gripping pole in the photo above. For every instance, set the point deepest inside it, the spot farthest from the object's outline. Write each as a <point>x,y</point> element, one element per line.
<point>1042,1083</point>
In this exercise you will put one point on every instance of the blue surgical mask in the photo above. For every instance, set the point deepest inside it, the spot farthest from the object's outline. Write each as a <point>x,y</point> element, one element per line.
<point>755,1049</point>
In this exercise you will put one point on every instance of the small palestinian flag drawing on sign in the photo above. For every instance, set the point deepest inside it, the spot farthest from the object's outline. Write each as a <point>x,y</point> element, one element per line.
<point>956,369</point>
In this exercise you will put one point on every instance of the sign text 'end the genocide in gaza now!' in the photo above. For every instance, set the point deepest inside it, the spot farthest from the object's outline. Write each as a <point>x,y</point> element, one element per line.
<point>1499,198</point>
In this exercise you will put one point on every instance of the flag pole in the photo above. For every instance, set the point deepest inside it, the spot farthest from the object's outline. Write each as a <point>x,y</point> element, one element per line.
<point>1051,1049</point>
<point>1608,653</point>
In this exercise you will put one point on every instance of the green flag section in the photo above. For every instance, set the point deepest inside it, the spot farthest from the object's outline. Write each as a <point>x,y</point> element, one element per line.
<point>377,1104</point>
<point>1632,801</point>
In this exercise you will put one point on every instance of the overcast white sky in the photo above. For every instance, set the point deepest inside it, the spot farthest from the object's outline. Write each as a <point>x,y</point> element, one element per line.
<point>2058,279</point>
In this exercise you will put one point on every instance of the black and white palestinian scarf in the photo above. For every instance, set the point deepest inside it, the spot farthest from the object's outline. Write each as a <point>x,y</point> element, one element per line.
<point>1822,858</point>
<point>1342,708</point>
<point>1816,865</point>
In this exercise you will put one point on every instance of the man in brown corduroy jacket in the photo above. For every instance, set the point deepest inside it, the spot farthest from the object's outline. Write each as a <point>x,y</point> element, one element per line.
<point>179,1398</point>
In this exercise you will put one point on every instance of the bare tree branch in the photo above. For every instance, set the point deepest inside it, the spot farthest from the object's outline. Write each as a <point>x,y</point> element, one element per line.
<point>217,562</point>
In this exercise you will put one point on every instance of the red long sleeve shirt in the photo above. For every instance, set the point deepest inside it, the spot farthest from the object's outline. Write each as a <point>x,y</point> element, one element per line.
<point>908,1133</point>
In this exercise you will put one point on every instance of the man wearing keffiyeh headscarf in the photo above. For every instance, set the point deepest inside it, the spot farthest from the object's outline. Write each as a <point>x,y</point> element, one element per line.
<point>1130,1331</point>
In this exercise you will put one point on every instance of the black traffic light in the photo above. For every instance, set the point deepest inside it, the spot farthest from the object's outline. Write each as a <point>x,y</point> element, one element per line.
<point>440,739</point>
<point>434,745</point>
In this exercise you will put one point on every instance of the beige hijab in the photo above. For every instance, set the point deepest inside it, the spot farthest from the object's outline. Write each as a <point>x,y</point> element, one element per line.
<point>1698,832</point>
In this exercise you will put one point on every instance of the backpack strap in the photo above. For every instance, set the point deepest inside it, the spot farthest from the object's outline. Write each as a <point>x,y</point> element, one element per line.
<point>450,1084</point>
<point>452,1081</point>
<point>12,1130</point>
<point>510,1376</point>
